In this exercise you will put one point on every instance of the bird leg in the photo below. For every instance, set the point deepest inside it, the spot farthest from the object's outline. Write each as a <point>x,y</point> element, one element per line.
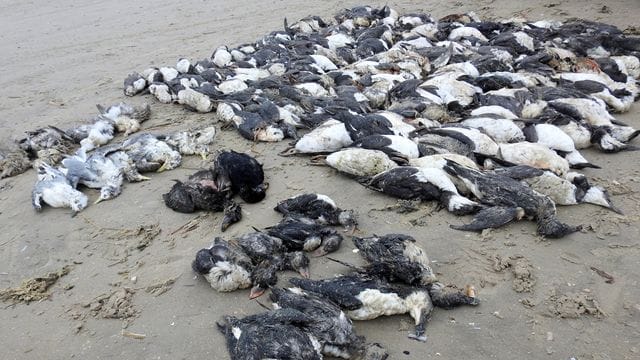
<point>318,160</point>
<point>291,150</point>
<point>421,323</point>
<point>36,199</point>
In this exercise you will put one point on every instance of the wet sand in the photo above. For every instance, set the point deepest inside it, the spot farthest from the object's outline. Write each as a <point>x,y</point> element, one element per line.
<point>61,58</point>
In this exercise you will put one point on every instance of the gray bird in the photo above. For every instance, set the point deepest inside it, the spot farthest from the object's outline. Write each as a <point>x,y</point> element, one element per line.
<point>95,171</point>
<point>126,118</point>
<point>151,154</point>
<point>13,161</point>
<point>192,142</point>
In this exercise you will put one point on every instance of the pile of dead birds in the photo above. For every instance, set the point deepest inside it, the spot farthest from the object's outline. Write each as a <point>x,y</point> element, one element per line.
<point>314,317</point>
<point>485,117</point>
<point>107,165</point>
<point>213,189</point>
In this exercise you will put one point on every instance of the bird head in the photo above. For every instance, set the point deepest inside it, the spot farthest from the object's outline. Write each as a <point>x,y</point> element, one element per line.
<point>599,196</point>
<point>78,202</point>
<point>297,261</point>
<point>171,161</point>
<point>329,244</point>
<point>347,218</point>
<point>203,262</point>
<point>263,277</point>
<point>253,194</point>
<point>428,276</point>
<point>108,192</point>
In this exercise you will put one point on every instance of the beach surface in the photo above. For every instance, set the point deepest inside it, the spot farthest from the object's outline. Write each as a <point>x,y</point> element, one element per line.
<point>130,292</point>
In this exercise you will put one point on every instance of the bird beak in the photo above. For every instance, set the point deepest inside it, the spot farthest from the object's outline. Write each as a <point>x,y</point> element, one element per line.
<point>163,167</point>
<point>143,178</point>
<point>615,209</point>
<point>98,200</point>
<point>256,292</point>
<point>351,229</point>
<point>226,222</point>
<point>304,272</point>
<point>319,252</point>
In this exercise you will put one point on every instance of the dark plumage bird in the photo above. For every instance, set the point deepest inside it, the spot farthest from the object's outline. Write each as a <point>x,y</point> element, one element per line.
<point>227,268</point>
<point>320,208</point>
<point>397,257</point>
<point>304,234</point>
<point>491,218</point>
<point>500,190</point>
<point>327,322</point>
<point>425,184</point>
<point>204,190</point>
<point>277,334</point>
<point>365,298</point>
<point>47,138</point>
<point>13,161</point>
<point>399,148</point>
<point>260,246</point>
<point>245,174</point>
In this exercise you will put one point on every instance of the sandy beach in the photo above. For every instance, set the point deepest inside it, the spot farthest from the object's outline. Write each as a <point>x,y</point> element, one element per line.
<point>130,292</point>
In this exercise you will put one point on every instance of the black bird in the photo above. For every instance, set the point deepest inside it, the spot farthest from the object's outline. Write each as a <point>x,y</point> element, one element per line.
<point>260,246</point>
<point>276,334</point>
<point>365,297</point>
<point>491,218</point>
<point>426,184</point>
<point>327,322</point>
<point>204,190</point>
<point>304,234</point>
<point>245,174</point>
<point>398,257</point>
<point>320,208</point>
<point>499,190</point>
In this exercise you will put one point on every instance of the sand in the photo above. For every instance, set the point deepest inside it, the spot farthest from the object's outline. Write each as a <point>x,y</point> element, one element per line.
<point>60,58</point>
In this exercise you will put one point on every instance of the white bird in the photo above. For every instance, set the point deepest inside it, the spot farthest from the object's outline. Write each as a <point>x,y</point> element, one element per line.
<point>195,100</point>
<point>100,133</point>
<point>572,190</point>
<point>53,189</point>
<point>535,155</point>
<point>221,56</point>
<point>499,129</point>
<point>330,136</point>
<point>556,139</point>
<point>360,162</point>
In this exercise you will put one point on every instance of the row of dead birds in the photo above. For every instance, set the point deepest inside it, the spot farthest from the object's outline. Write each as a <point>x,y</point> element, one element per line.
<point>489,116</point>
<point>314,317</point>
<point>106,166</point>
